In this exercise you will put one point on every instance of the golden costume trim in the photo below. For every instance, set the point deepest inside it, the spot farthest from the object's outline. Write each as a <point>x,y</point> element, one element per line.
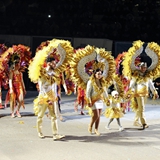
<point>129,58</point>
<point>82,56</point>
<point>65,50</point>
<point>131,70</point>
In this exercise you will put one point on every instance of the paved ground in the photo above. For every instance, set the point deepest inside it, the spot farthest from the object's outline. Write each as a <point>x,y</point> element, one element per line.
<point>19,140</point>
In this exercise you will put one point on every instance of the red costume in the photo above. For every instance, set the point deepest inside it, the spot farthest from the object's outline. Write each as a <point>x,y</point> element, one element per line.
<point>14,60</point>
<point>80,100</point>
<point>18,88</point>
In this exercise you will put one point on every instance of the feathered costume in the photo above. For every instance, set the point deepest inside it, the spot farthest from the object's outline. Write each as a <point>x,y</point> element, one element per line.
<point>54,48</point>
<point>105,62</point>
<point>114,110</point>
<point>9,58</point>
<point>48,78</point>
<point>141,82</point>
<point>131,70</point>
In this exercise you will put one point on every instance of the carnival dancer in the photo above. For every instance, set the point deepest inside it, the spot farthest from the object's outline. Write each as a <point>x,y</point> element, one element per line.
<point>95,89</point>
<point>141,79</point>
<point>47,97</point>
<point>80,101</point>
<point>16,87</point>
<point>58,94</point>
<point>17,57</point>
<point>57,57</point>
<point>96,84</point>
<point>114,110</point>
<point>47,77</point>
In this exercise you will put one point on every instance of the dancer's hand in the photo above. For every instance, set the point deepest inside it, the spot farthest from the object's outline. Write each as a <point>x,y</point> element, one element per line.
<point>128,96</point>
<point>156,96</point>
<point>66,92</point>
<point>89,104</point>
<point>11,91</point>
<point>50,102</point>
<point>25,92</point>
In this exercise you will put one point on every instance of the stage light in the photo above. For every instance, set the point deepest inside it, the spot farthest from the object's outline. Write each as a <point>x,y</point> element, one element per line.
<point>49,16</point>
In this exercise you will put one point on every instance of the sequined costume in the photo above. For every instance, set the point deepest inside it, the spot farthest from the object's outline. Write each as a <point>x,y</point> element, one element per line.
<point>45,70</point>
<point>140,86</point>
<point>81,99</point>
<point>102,70</point>
<point>114,110</point>
<point>94,95</point>
<point>15,61</point>
<point>46,100</point>
<point>141,77</point>
<point>18,89</point>
<point>80,95</point>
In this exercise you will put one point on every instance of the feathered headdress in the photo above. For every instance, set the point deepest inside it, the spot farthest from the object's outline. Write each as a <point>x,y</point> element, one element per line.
<point>152,50</point>
<point>98,65</point>
<point>82,57</point>
<point>53,47</point>
<point>129,59</point>
<point>107,59</point>
<point>20,52</point>
<point>101,58</point>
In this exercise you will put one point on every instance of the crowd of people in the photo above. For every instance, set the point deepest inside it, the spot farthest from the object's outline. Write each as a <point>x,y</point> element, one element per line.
<point>122,20</point>
<point>92,70</point>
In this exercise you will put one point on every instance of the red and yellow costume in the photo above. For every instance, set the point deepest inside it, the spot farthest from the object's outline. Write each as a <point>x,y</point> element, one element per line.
<point>16,58</point>
<point>80,95</point>
<point>18,89</point>
<point>81,99</point>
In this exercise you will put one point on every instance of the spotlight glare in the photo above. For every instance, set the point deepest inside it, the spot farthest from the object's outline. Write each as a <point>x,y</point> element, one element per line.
<point>49,16</point>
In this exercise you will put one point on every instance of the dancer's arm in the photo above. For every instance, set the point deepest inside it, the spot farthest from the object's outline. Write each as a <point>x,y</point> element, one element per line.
<point>153,89</point>
<point>64,84</point>
<point>10,82</point>
<point>88,93</point>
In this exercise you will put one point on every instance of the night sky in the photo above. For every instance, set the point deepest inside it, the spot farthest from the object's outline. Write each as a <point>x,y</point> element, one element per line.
<point>124,20</point>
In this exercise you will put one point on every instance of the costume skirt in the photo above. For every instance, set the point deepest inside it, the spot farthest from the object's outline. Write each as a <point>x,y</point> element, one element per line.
<point>113,112</point>
<point>98,105</point>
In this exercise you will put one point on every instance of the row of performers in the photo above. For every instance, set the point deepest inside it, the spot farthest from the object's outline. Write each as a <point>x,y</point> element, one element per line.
<point>92,69</point>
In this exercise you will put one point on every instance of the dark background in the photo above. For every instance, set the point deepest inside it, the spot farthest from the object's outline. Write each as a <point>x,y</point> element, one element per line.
<point>120,20</point>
